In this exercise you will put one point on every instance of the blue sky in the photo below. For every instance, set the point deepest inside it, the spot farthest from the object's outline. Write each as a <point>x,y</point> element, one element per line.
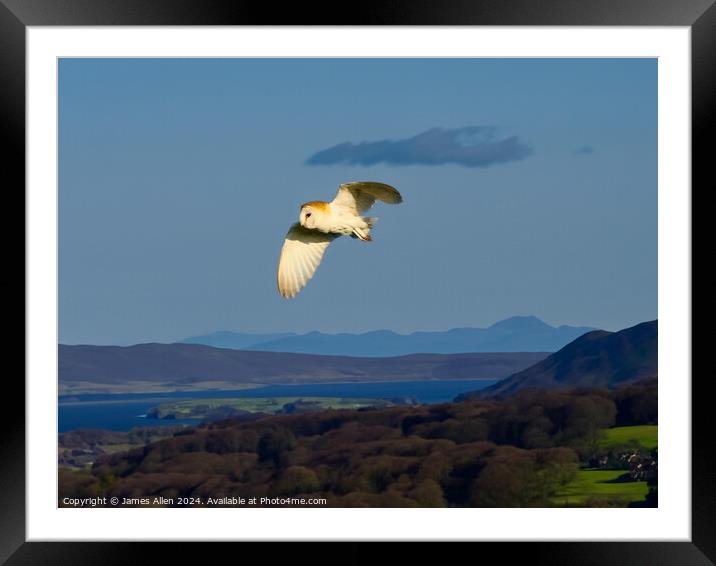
<point>533,190</point>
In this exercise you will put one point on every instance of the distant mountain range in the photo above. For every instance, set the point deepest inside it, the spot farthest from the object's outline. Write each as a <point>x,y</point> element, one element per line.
<point>516,334</point>
<point>597,359</point>
<point>177,366</point>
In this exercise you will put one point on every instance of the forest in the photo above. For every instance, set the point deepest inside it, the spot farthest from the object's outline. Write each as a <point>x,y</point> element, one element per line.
<point>519,451</point>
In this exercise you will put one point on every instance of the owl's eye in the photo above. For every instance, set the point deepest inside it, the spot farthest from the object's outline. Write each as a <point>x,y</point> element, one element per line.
<point>308,215</point>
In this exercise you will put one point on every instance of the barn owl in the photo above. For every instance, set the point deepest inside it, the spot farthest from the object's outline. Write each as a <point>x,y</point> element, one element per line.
<point>322,222</point>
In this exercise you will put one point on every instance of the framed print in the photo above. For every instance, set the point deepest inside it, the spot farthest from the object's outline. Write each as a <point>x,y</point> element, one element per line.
<point>225,344</point>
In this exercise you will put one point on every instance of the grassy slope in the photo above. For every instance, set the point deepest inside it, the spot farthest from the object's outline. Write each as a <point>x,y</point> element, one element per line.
<point>646,435</point>
<point>591,483</point>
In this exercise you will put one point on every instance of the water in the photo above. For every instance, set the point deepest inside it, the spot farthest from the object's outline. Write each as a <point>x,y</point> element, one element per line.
<point>122,412</point>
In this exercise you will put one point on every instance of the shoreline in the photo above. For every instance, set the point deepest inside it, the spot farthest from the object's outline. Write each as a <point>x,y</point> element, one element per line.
<point>253,386</point>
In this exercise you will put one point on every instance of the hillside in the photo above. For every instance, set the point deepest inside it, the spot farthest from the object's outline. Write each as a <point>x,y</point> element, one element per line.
<point>480,453</point>
<point>516,334</point>
<point>180,365</point>
<point>597,359</point>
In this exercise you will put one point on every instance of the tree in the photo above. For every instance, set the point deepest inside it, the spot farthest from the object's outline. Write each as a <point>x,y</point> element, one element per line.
<point>297,479</point>
<point>428,493</point>
<point>274,444</point>
<point>505,481</point>
<point>587,417</point>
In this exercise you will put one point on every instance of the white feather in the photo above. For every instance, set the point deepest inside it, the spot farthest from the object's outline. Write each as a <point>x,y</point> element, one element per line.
<point>301,255</point>
<point>360,196</point>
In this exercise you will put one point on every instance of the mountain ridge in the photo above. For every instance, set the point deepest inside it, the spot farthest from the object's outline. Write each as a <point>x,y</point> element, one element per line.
<point>514,334</point>
<point>596,359</point>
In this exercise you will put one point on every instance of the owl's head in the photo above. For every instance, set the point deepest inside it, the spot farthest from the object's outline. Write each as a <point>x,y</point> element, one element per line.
<point>310,212</point>
<point>307,216</point>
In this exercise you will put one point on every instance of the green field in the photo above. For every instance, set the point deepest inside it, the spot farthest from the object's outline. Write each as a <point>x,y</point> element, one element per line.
<point>646,435</point>
<point>200,408</point>
<point>592,484</point>
<point>595,483</point>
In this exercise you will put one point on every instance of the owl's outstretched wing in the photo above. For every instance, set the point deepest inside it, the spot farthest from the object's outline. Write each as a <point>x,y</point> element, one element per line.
<point>359,196</point>
<point>301,254</point>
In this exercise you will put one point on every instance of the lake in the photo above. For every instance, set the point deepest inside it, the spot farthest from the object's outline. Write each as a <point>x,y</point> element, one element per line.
<point>121,412</point>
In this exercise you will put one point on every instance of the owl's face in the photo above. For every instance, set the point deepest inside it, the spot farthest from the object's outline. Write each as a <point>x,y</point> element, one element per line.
<point>307,217</point>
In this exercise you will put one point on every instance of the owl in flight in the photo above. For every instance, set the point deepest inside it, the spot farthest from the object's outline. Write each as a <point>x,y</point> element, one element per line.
<point>322,222</point>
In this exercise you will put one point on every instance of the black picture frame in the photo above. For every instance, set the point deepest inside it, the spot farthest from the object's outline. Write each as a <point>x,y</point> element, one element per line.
<point>17,15</point>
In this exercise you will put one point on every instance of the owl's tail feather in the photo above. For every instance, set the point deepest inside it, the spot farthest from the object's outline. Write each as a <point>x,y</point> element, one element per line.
<point>364,233</point>
<point>361,235</point>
